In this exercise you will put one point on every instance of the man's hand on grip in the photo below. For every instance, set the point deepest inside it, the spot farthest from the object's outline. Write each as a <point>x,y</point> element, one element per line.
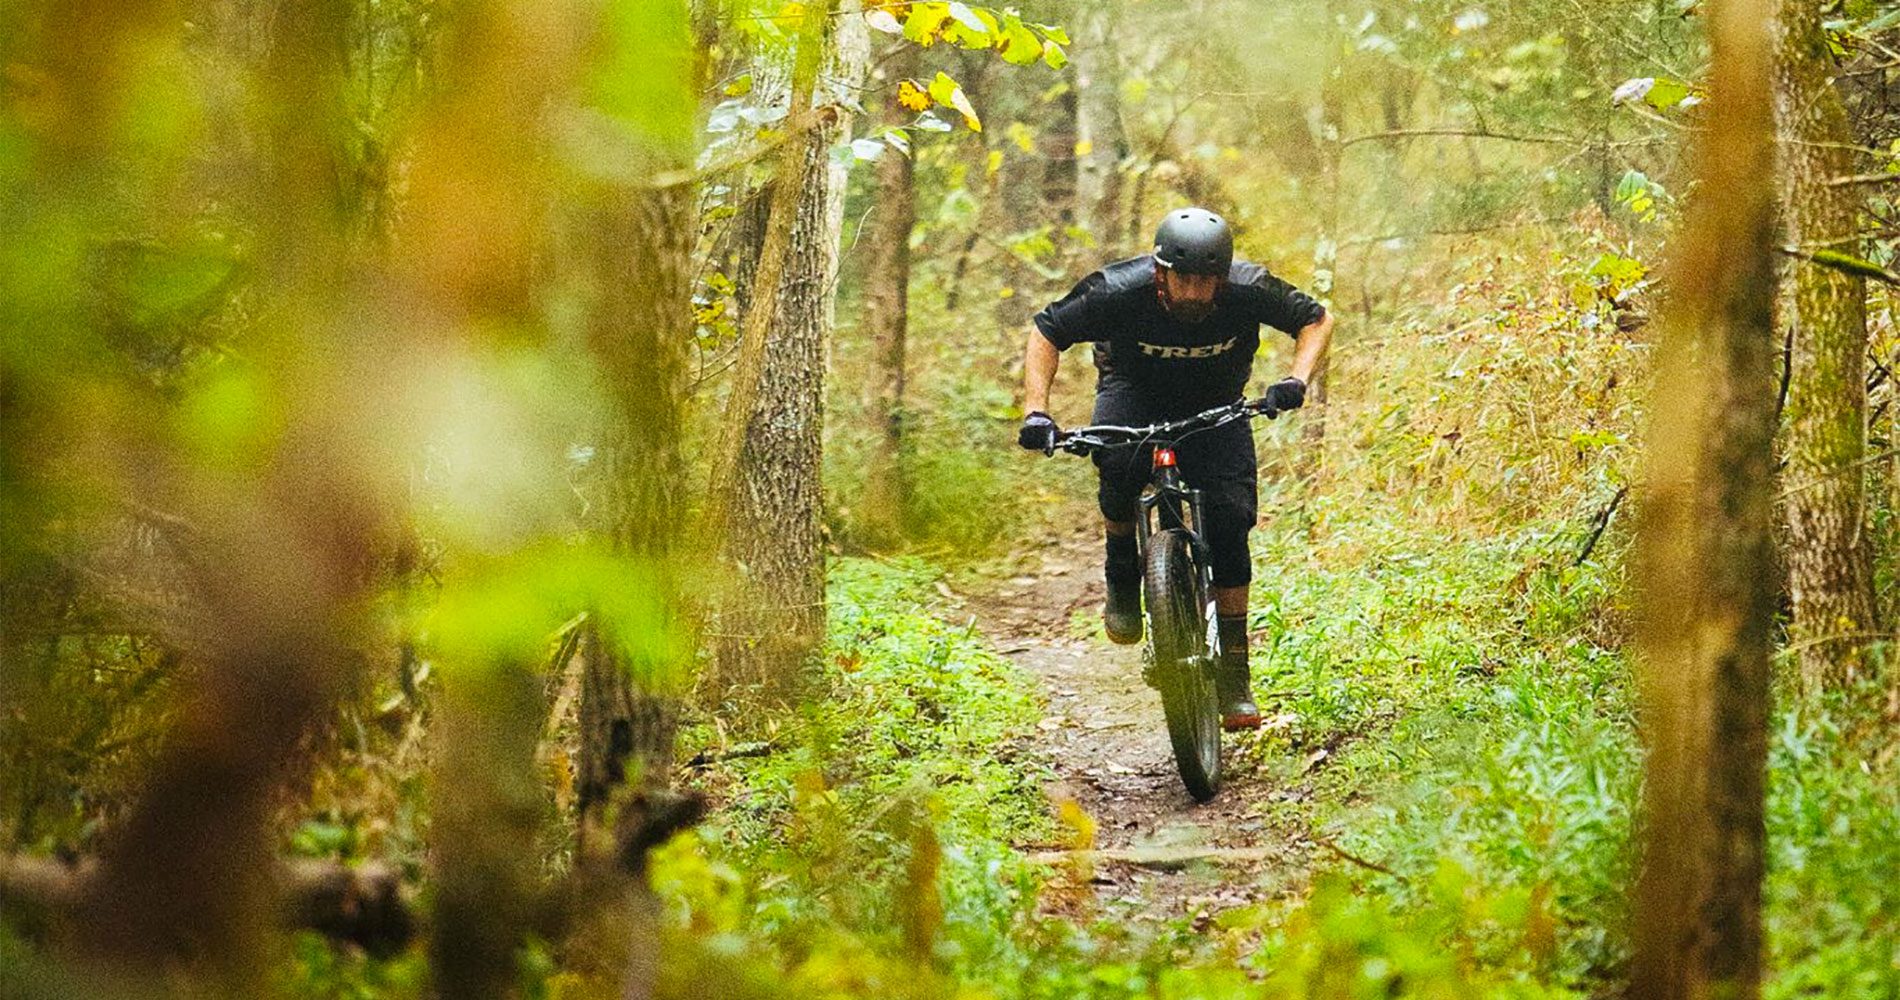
<point>1038,432</point>
<point>1287,394</point>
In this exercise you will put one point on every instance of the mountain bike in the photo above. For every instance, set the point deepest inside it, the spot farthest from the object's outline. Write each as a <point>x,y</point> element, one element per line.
<point>1183,647</point>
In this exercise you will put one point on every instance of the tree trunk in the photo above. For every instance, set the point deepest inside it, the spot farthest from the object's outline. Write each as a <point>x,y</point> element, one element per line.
<point>1827,552</point>
<point>1327,192</point>
<point>761,298</point>
<point>886,298</point>
<point>1100,143</point>
<point>768,498</point>
<point>640,329</point>
<point>472,230</point>
<point>487,804</point>
<point>638,260</point>
<point>1706,551</point>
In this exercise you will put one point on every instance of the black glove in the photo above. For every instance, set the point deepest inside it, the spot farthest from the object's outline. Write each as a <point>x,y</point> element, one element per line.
<point>1038,432</point>
<point>1287,394</point>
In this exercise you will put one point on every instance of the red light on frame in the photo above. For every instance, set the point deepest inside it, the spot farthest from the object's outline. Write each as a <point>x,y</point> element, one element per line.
<point>1164,458</point>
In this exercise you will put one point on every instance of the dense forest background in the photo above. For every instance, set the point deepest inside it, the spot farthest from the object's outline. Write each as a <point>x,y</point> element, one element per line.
<point>519,499</point>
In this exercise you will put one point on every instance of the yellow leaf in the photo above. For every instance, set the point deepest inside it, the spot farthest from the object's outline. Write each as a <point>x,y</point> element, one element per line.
<point>791,12</point>
<point>1006,293</point>
<point>912,95</point>
<point>1080,826</point>
<point>961,101</point>
<point>1084,148</point>
<point>942,86</point>
<point>996,160</point>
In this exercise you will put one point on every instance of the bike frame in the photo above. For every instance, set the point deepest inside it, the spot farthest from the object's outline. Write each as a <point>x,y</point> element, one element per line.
<point>1166,497</point>
<point>1160,508</point>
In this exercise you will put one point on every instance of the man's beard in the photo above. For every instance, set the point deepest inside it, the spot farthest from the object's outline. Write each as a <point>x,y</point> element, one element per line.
<point>1190,312</point>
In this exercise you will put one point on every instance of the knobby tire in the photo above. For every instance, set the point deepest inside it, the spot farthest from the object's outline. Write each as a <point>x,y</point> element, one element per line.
<point>1177,636</point>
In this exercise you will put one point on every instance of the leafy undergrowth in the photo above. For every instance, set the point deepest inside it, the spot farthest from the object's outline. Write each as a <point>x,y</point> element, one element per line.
<point>1448,712</point>
<point>868,852</point>
<point>1831,906</point>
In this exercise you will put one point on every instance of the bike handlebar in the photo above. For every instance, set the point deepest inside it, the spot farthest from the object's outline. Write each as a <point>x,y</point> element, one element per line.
<point>1082,440</point>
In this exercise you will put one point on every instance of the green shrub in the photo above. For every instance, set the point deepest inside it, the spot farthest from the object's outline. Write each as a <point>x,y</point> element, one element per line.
<point>1831,906</point>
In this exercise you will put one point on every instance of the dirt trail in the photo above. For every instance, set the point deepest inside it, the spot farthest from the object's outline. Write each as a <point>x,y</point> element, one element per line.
<point>1104,737</point>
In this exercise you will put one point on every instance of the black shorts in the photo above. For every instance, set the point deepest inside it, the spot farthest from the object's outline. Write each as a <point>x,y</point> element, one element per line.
<point>1219,462</point>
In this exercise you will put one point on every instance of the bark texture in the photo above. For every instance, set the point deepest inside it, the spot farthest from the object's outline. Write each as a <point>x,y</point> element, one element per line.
<point>776,617</point>
<point>887,306</point>
<point>1828,555</point>
<point>766,273</point>
<point>768,499</point>
<point>1705,539</point>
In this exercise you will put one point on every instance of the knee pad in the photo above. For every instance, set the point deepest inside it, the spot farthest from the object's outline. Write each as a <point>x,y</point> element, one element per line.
<point>1117,488</point>
<point>1226,537</point>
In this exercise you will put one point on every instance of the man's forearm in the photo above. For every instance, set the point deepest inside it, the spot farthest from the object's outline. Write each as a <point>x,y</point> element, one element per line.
<point>1040,360</point>
<point>1309,349</point>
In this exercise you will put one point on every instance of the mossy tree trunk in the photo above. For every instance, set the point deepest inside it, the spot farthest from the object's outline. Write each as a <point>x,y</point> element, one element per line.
<point>1705,542</point>
<point>636,267</point>
<point>640,329</point>
<point>1828,555</point>
<point>767,497</point>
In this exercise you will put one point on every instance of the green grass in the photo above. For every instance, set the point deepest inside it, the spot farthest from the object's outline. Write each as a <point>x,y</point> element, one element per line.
<point>1832,911</point>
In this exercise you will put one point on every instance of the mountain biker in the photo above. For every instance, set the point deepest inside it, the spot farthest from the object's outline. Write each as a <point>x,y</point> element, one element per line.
<point>1175,333</point>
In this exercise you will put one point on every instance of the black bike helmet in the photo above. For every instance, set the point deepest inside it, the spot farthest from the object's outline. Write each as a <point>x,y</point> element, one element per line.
<point>1195,241</point>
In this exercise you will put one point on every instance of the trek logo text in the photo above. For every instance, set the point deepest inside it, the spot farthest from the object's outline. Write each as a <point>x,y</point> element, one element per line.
<point>1207,351</point>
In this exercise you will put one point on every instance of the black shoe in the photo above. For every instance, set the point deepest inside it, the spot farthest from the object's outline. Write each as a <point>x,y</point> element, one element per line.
<point>1235,689</point>
<point>1121,614</point>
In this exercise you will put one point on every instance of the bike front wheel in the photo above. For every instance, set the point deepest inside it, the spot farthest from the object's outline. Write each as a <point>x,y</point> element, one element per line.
<point>1177,638</point>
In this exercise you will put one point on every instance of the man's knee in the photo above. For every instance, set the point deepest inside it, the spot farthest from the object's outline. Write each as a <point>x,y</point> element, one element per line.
<point>1232,562</point>
<point>1115,494</point>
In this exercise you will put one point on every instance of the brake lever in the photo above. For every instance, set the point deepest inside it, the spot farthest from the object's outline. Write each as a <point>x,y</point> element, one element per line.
<point>1264,408</point>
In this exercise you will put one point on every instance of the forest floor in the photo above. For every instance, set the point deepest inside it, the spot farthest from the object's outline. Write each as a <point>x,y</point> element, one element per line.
<point>1157,855</point>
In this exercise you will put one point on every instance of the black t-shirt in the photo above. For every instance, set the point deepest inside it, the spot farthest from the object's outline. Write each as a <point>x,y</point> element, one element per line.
<point>1182,368</point>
